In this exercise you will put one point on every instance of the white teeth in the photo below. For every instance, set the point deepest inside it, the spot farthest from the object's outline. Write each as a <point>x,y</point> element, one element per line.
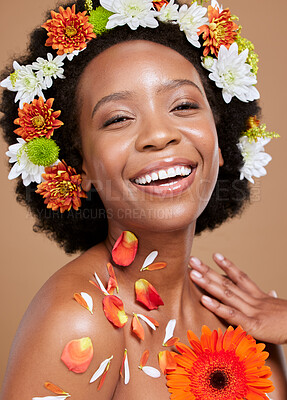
<point>171,172</point>
<point>164,174</point>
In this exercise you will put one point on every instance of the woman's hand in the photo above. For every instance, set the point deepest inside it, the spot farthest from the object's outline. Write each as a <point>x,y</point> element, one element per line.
<point>240,301</point>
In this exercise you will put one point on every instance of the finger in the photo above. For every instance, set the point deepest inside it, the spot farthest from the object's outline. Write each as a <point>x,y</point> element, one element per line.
<point>211,277</point>
<point>240,278</point>
<point>223,293</point>
<point>229,314</point>
<point>273,293</point>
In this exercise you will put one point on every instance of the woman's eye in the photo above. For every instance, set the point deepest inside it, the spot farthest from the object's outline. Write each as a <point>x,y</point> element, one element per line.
<point>115,120</point>
<point>186,106</point>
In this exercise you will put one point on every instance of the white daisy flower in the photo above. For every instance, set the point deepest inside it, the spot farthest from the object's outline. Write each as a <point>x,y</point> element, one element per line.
<point>24,81</point>
<point>190,20</point>
<point>23,166</point>
<point>169,12</point>
<point>50,68</point>
<point>215,4</point>
<point>231,73</point>
<point>254,156</point>
<point>134,13</point>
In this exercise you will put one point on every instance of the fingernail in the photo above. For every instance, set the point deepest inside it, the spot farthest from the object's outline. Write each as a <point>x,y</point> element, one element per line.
<point>196,274</point>
<point>219,256</point>
<point>273,293</point>
<point>207,299</point>
<point>195,261</point>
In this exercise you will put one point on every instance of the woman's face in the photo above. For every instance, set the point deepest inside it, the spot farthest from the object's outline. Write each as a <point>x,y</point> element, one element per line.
<point>148,136</point>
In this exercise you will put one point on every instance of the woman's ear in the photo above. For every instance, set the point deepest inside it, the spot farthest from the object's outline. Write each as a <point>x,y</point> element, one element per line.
<point>221,161</point>
<point>86,181</point>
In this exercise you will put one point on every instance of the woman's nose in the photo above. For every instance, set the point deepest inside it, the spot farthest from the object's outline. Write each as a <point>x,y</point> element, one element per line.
<point>155,135</point>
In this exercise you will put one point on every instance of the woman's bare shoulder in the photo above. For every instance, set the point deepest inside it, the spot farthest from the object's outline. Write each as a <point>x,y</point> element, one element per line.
<point>53,319</point>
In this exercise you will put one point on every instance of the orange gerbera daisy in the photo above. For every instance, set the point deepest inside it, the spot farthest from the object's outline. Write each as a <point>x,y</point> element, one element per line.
<point>159,3</point>
<point>62,189</point>
<point>37,119</point>
<point>68,31</point>
<point>229,366</point>
<point>220,31</point>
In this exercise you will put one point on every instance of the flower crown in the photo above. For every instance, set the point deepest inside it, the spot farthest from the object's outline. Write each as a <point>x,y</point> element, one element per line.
<point>228,57</point>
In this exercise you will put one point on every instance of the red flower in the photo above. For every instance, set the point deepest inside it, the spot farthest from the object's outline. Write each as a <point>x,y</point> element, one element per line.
<point>78,354</point>
<point>37,119</point>
<point>220,367</point>
<point>68,31</point>
<point>62,189</point>
<point>125,249</point>
<point>146,294</point>
<point>220,31</point>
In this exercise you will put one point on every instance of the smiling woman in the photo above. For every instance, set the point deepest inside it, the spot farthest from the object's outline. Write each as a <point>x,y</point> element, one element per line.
<point>156,121</point>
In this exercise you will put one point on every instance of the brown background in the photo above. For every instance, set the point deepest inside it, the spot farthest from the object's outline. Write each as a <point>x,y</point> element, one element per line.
<point>256,241</point>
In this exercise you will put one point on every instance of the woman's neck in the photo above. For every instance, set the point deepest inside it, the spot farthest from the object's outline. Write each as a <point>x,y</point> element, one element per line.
<point>172,283</point>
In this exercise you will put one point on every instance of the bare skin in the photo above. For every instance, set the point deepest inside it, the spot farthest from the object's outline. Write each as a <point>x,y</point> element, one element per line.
<point>156,111</point>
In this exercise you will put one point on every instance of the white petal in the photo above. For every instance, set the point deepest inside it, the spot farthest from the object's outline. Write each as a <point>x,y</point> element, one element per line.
<point>88,299</point>
<point>145,319</point>
<point>51,397</point>
<point>150,371</point>
<point>127,370</point>
<point>103,289</point>
<point>149,259</point>
<point>100,370</point>
<point>169,330</point>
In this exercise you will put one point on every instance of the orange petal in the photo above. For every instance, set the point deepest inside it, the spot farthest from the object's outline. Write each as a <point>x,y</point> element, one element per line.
<point>103,377</point>
<point>114,310</point>
<point>112,284</point>
<point>123,363</point>
<point>166,361</point>
<point>55,389</point>
<point>146,294</point>
<point>154,321</point>
<point>171,342</point>
<point>125,248</point>
<point>137,327</point>
<point>144,358</point>
<point>79,297</point>
<point>78,354</point>
<point>155,266</point>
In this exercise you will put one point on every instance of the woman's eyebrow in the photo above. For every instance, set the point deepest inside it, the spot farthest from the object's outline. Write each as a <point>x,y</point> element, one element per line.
<point>111,97</point>
<point>176,83</point>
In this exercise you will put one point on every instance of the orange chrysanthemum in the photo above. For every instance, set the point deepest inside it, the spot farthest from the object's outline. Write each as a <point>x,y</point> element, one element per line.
<point>220,367</point>
<point>62,189</point>
<point>159,3</point>
<point>37,119</point>
<point>220,31</point>
<point>68,31</point>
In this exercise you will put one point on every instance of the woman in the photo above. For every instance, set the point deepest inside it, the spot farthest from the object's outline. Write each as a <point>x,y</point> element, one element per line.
<point>140,108</point>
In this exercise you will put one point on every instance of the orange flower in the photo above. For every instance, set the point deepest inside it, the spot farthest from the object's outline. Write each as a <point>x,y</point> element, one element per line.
<point>112,283</point>
<point>62,189</point>
<point>68,31</point>
<point>166,361</point>
<point>220,31</point>
<point>159,3</point>
<point>220,367</point>
<point>146,294</point>
<point>78,354</point>
<point>114,310</point>
<point>125,249</point>
<point>37,119</point>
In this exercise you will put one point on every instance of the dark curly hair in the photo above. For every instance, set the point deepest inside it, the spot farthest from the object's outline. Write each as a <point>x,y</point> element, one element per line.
<point>80,230</point>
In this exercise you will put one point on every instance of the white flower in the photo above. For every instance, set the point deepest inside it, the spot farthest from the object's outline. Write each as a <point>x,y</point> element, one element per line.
<point>190,20</point>
<point>134,13</point>
<point>254,157</point>
<point>231,73</point>
<point>169,12</point>
<point>24,81</point>
<point>215,4</point>
<point>50,68</point>
<point>23,166</point>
